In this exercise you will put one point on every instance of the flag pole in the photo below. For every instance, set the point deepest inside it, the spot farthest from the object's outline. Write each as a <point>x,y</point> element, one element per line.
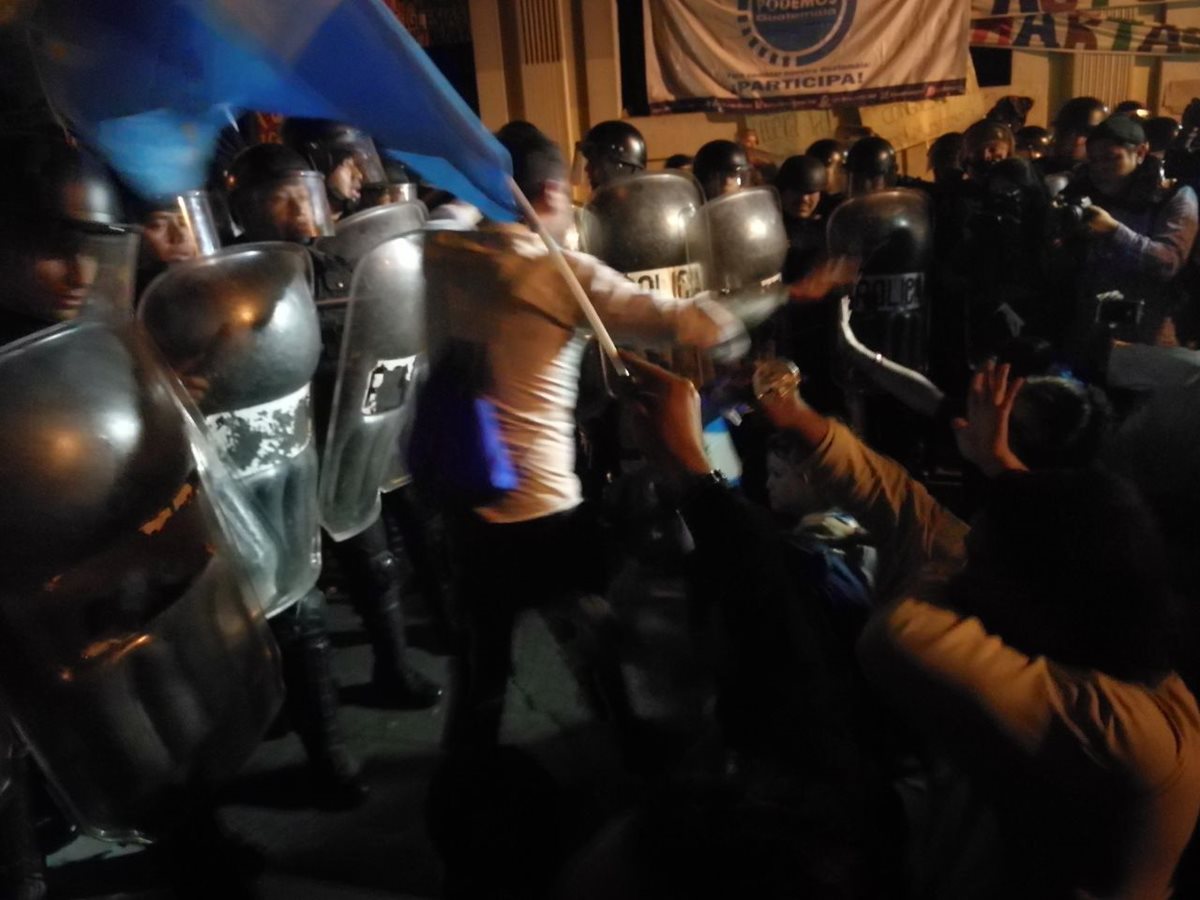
<point>581,297</point>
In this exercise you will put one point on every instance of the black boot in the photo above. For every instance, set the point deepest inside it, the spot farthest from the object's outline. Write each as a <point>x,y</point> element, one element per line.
<point>373,574</point>
<point>312,702</point>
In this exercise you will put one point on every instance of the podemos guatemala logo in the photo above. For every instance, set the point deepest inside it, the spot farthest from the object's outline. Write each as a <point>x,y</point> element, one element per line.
<point>794,32</point>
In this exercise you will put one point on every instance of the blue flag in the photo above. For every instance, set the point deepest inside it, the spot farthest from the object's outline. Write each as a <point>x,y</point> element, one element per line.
<point>151,83</point>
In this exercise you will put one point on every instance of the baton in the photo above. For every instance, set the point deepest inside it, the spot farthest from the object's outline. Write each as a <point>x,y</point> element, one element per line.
<point>577,291</point>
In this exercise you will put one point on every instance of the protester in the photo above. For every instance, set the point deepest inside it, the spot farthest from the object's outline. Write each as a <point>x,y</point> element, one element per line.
<point>495,295</point>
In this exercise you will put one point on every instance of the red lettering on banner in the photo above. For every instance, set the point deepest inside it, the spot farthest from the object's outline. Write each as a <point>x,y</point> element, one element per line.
<point>1001,28</point>
<point>1059,6</point>
<point>1080,34</point>
<point>1004,7</point>
<point>1156,36</point>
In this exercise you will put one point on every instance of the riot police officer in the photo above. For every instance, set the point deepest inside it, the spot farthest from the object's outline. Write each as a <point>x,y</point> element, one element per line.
<point>870,166</point>
<point>257,179</point>
<point>833,154</point>
<point>1074,122</point>
<point>175,227</point>
<point>611,150</point>
<point>346,156</point>
<point>945,160</point>
<point>890,231</point>
<point>153,678</point>
<point>721,167</point>
<point>802,182</point>
<point>804,331</point>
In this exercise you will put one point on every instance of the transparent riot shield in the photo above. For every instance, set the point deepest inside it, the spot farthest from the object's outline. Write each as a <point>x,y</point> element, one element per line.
<point>382,353</point>
<point>362,232</point>
<point>640,226</point>
<point>134,657</point>
<point>891,233</point>
<point>240,330</point>
<point>740,243</point>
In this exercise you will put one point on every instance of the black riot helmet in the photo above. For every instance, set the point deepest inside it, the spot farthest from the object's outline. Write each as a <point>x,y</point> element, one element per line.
<point>802,174</point>
<point>345,155</point>
<point>945,158</point>
<point>62,207</point>
<point>1074,122</point>
<point>1080,115</point>
<point>721,167</point>
<point>275,195</point>
<point>1032,142</point>
<point>833,154</point>
<point>611,150</point>
<point>800,181</point>
<point>870,166</point>
<point>1135,109</point>
<point>55,183</point>
<point>828,151</point>
<point>984,144</point>
<point>1161,132</point>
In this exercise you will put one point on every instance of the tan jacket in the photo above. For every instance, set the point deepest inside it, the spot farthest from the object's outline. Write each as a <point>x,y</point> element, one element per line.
<point>1092,785</point>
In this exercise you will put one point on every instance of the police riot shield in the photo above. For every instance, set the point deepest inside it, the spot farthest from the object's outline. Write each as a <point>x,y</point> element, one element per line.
<point>383,345</point>
<point>362,232</point>
<point>740,243</point>
<point>640,225</point>
<point>240,330</point>
<point>134,657</point>
<point>891,233</point>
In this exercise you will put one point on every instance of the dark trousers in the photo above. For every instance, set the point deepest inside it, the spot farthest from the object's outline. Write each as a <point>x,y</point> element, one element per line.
<point>555,565</point>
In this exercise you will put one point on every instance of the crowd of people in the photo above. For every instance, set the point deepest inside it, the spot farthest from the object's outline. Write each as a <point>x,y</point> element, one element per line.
<point>947,601</point>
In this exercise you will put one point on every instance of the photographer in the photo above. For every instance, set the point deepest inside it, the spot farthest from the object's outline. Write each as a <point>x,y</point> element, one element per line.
<point>1133,237</point>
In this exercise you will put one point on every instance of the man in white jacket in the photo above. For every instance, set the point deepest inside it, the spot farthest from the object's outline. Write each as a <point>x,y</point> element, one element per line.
<point>497,290</point>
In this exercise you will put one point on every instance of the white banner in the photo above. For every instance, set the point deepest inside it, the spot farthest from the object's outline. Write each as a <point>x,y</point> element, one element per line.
<point>759,55</point>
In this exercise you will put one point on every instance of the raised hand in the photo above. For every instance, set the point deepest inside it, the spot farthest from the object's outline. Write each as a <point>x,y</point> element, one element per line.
<point>983,435</point>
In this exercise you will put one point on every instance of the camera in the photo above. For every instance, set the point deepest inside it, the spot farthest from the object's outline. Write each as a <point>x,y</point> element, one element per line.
<point>1067,216</point>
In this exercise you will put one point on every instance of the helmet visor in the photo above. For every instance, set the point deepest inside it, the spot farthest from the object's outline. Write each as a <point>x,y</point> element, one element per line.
<point>292,208</point>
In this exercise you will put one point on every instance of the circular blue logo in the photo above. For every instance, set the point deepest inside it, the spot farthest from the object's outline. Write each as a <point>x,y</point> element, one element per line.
<point>794,32</point>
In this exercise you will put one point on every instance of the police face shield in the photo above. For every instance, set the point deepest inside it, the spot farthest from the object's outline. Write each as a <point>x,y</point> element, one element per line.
<point>182,228</point>
<point>294,208</point>
<point>727,181</point>
<point>55,270</point>
<point>197,215</point>
<point>134,657</point>
<point>382,356</point>
<point>356,172</point>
